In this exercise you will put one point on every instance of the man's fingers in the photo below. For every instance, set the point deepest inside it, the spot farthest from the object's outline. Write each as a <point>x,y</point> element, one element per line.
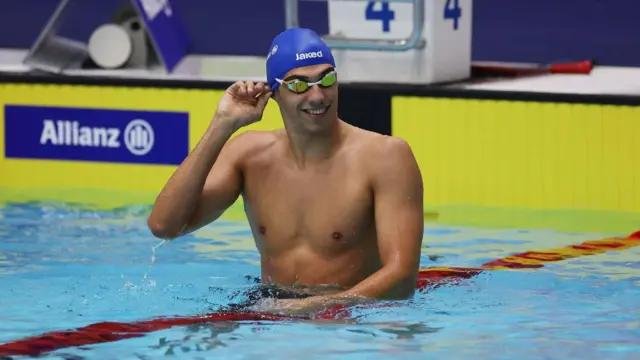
<point>239,88</point>
<point>250,88</point>
<point>235,86</point>
<point>263,99</point>
<point>261,88</point>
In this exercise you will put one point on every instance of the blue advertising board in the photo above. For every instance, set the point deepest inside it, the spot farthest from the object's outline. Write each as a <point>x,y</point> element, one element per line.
<point>97,135</point>
<point>165,29</point>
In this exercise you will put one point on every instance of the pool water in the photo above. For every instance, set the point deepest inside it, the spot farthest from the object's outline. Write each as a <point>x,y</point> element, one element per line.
<point>65,266</point>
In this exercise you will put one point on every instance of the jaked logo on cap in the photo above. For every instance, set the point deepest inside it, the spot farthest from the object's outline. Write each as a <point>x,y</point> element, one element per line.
<point>309,55</point>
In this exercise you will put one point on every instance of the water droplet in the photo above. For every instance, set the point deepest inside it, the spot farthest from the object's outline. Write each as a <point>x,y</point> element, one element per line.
<point>153,258</point>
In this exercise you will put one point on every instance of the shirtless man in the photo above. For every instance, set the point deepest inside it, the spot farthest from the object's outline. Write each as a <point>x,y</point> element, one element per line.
<point>328,203</point>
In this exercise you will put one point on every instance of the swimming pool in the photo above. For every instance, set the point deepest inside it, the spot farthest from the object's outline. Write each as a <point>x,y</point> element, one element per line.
<point>65,266</point>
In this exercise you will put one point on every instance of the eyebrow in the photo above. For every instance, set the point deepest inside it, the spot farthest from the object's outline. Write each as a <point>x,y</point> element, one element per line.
<point>306,78</point>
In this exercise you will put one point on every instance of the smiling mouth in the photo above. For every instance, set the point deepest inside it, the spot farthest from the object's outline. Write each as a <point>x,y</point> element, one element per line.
<point>317,111</point>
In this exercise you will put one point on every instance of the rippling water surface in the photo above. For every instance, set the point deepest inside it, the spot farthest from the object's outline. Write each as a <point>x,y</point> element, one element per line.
<point>64,266</point>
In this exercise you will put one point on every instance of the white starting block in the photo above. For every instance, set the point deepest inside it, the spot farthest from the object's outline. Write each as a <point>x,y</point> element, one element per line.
<point>398,41</point>
<point>144,35</point>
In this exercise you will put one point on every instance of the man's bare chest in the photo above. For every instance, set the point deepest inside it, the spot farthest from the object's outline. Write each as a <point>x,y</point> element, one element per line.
<point>330,209</point>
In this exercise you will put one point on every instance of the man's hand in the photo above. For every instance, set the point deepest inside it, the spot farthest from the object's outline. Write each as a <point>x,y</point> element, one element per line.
<point>243,103</point>
<point>292,306</point>
<point>298,305</point>
<point>310,305</point>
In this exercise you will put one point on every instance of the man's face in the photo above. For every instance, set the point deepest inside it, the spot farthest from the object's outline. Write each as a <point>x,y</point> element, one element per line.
<point>313,107</point>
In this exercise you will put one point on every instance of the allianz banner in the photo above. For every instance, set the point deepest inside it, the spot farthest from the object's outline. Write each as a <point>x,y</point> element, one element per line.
<point>98,135</point>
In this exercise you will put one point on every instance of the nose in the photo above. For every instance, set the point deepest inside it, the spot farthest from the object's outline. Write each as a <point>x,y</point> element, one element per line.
<point>315,94</point>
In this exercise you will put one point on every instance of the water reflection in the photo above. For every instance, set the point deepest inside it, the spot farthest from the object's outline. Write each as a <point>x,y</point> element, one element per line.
<point>202,338</point>
<point>208,338</point>
<point>397,330</point>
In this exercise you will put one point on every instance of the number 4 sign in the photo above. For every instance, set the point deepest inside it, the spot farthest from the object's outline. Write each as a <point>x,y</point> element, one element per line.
<point>444,33</point>
<point>385,14</point>
<point>453,12</point>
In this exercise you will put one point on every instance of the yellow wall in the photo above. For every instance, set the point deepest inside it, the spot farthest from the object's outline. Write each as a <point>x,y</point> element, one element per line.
<point>523,154</point>
<point>73,180</point>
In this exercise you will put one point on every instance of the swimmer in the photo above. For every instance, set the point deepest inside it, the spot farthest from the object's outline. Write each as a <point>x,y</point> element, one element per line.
<point>335,210</point>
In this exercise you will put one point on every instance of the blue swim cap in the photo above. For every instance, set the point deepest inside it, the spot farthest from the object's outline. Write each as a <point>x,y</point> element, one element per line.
<point>294,48</point>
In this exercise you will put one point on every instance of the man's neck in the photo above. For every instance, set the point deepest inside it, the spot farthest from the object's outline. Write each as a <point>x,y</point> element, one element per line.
<point>313,147</point>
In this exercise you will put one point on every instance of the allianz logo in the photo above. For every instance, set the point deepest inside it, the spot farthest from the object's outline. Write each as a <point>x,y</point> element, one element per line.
<point>309,55</point>
<point>138,136</point>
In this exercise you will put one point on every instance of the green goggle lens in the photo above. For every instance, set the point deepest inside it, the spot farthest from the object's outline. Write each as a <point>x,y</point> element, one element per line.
<point>299,86</point>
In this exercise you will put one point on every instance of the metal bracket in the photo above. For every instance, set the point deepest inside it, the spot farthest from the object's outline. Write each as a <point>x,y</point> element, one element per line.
<point>52,52</point>
<point>57,54</point>
<point>414,41</point>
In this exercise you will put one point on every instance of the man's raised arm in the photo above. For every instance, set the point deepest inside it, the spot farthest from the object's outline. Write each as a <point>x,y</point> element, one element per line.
<point>209,180</point>
<point>184,205</point>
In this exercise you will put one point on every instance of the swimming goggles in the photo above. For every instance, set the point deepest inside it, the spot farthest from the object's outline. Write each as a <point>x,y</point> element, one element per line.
<point>300,86</point>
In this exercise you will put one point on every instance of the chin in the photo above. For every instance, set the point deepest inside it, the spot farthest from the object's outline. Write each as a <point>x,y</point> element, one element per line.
<point>319,125</point>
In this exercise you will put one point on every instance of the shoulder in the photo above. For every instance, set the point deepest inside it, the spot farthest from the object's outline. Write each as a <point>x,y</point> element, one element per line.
<point>251,143</point>
<point>252,140</point>
<point>392,148</point>
<point>388,158</point>
<point>385,150</point>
